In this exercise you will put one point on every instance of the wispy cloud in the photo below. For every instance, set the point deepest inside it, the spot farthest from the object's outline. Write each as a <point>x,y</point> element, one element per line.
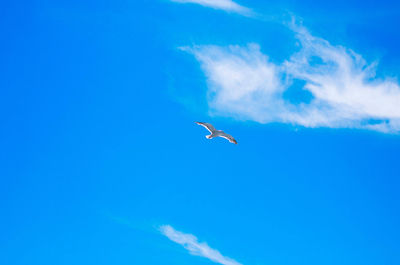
<point>226,5</point>
<point>244,83</point>
<point>194,247</point>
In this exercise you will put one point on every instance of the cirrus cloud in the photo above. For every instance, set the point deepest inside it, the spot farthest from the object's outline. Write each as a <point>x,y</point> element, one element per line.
<point>244,83</point>
<point>196,248</point>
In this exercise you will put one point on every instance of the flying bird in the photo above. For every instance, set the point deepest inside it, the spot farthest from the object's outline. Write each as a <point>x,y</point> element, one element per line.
<point>216,133</point>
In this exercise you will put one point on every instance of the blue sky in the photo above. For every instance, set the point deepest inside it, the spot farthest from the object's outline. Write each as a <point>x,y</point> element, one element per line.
<point>102,163</point>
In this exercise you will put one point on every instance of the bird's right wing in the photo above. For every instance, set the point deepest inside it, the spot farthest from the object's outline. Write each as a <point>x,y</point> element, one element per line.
<point>206,125</point>
<point>229,138</point>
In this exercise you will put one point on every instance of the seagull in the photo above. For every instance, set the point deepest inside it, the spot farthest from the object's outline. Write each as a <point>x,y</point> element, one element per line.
<point>216,133</point>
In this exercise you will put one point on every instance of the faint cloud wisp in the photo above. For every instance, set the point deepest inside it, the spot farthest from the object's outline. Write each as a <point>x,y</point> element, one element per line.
<point>190,242</point>
<point>226,5</point>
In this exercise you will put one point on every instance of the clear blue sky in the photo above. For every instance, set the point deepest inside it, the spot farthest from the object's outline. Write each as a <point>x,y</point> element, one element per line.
<point>99,147</point>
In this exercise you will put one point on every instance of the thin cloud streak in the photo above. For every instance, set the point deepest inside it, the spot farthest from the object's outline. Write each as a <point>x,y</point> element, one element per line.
<point>194,247</point>
<point>243,83</point>
<point>226,5</point>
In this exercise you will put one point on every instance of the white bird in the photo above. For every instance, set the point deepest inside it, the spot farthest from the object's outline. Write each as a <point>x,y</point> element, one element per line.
<point>216,133</point>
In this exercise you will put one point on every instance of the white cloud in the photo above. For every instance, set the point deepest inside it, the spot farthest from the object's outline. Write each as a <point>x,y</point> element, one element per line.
<point>244,83</point>
<point>191,243</point>
<point>226,5</point>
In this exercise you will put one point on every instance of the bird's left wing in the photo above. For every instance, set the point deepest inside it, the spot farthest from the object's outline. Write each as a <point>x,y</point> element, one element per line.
<point>206,125</point>
<point>229,138</point>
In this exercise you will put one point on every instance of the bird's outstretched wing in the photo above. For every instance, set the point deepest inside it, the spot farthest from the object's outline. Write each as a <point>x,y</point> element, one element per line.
<point>228,137</point>
<point>208,126</point>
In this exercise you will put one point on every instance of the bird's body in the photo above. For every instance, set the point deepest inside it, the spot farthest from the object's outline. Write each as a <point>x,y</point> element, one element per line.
<point>216,133</point>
